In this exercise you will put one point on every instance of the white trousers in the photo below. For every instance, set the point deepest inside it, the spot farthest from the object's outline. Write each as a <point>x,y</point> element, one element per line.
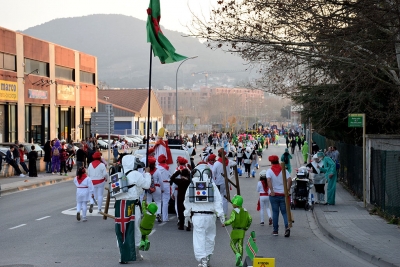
<point>138,219</point>
<point>165,199</point>
<point>176,202</point>
<point>222,191</point>
<point>204,231</point>
<point>264,204</point>
<point>98,195</point>
<point>156,197</point>
<point>81,205</point>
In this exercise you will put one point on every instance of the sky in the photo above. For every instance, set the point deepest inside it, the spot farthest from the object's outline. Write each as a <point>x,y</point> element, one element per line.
<point>22,14</point>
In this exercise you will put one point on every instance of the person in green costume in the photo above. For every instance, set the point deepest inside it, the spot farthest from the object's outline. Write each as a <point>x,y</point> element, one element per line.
<point>330,175</point>
<point>241,221</point>
<point>304,151</point>
<point>147,224</point>
<point>286,157</point>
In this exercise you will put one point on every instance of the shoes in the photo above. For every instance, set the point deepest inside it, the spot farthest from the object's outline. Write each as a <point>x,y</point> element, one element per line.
<point>262,223</point>
<point>139,257</point>
<point>270,221</point>
<point>65,174</point>
<point>188,229</point>
<point>98,212</point>
<point>159,218</point>
<point>84,219</point>
<point>52,173</point>
<point>78,216</point>
<point>287,232</point>
<point>275,233</point>
<point>123,262</point>
<point>21,175</point>
<point>181,228</point>
<point>91,208</point>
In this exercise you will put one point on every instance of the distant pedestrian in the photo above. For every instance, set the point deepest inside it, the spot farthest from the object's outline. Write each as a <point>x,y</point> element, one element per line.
<point>21,150</point>
<point>263,201</point>
<point>286,157</point>
<point>304,151</point>
<point>63,161</point>
<point>12,162</point>
<point>80,158</point>
<point>47,156</point>
<point>293,145</point>
<point>84,190</point>
<point>329,169</point>
<point>32,158</point>
<point>55,157</point>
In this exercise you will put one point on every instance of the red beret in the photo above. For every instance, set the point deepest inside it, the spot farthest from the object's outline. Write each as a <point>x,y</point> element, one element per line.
<point>151,150</point>
<point>96,155</point>
<point>273,158</point>
<point>182,160</point>
<point>212,157</point>
<point>151,160</point>
<point>162,158</point>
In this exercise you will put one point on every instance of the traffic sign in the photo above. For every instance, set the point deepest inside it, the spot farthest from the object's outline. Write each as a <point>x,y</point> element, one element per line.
<point>355,120</point>
<point>264,262</point>
<point>102,122</point>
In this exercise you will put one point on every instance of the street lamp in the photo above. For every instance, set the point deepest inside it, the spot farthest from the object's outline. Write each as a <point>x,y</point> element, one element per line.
<point>176,95</point>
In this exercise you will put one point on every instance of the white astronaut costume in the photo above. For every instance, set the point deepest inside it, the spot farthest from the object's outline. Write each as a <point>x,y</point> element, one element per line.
<point>166,195</point>
<point>156,195</point>
<point>203,220</point>
<point>218,171</point>
<point>141,181</point>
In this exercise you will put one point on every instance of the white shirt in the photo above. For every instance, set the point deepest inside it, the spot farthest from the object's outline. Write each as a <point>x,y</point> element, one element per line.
<point>277,181</point>
<point>260,188</point>
<point>218,171</point>
<point>157,178</point>
<point>98,173</point>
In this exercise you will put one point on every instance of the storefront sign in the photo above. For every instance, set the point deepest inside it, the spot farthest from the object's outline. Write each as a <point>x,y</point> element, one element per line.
<point>37,94</point>
<point>87,113</point>
<point>8,90</point>
<point>65,92</point>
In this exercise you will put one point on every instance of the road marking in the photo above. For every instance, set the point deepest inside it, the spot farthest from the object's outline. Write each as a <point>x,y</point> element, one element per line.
<point>152,232</point>
<point>111,210</point>
<point>17,226</point>
<point>42,218</point>
<point>161,224</point>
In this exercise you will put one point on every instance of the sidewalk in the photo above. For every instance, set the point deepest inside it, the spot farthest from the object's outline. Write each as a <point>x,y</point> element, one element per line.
<point>349,225</point>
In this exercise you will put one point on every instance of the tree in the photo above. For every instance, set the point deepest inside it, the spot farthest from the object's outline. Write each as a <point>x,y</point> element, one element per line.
<point>337,57</point>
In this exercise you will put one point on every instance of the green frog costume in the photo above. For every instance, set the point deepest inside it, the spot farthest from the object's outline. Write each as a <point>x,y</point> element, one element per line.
<point>147,224</point>
<point>240,220</point>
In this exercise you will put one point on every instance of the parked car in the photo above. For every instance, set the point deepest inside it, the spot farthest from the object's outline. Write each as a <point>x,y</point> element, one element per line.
<point>102,144</point>
<point>27,147</point>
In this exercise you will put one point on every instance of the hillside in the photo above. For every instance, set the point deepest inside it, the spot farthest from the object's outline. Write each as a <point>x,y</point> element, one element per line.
<point>119,43</point>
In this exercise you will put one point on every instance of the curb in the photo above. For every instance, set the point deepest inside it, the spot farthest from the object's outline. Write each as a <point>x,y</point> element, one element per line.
<point>35,185</point>
<point>350,247</point>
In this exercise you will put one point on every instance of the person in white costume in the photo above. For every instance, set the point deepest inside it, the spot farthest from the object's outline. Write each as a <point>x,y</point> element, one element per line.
<point>84,189</point>
<point>97,172</point>
<point>159,186</point>
<point>140,181</point>
<point>163,168</point>
<point>204,218</point>
<point>218,171</point>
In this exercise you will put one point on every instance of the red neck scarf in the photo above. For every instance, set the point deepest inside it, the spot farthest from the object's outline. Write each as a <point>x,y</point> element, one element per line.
<point>96,163</point>
<point>226,161</point>
<point>153,171</point>
<point>164,165</point>
<point>80,179</point>
<point>265,186</point>
<point>276,168</point>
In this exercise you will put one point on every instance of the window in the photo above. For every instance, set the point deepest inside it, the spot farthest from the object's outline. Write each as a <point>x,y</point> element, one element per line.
<point>8,62</point>
<point>42,67</point>
<point>65,73</point>
<point>87,77</point>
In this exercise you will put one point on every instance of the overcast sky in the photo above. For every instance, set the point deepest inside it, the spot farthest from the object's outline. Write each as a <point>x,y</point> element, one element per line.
<point>22,14</point>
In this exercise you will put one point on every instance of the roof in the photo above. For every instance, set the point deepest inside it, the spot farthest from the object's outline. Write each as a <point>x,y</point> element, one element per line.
<point>117,106</point>
<point>131,99</point>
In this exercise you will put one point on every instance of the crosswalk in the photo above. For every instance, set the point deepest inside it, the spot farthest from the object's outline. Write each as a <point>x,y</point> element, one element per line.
<point>111,210</point>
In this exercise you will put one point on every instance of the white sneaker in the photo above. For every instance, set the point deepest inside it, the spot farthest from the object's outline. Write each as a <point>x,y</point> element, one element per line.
<point>21,175</point>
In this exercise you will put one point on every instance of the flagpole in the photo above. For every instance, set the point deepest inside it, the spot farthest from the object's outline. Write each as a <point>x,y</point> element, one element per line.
<point>148,108</point>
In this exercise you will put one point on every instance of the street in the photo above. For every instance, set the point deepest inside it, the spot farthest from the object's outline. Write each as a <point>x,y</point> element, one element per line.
<point>38,227</point>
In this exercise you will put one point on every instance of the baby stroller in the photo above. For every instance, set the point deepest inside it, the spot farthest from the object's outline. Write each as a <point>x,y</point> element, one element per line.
<point>301,193</point>
<point>70,162</point>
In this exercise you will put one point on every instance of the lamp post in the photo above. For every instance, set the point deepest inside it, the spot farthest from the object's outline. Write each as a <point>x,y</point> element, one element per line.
<point>176,94</point>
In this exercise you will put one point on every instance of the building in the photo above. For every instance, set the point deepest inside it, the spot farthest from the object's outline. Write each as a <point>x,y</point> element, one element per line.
<point>46,90</point>
<point>130,110</point>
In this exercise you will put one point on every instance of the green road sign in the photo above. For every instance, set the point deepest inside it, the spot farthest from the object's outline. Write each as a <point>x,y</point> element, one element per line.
<point>355,120</point>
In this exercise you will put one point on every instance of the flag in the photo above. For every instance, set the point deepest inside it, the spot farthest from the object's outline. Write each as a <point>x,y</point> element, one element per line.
<point>162,48</point>
<point>125,229</point>
<point>251,246</point>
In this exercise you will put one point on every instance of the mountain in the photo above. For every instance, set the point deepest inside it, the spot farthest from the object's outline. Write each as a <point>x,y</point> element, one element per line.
<point>120,44</point>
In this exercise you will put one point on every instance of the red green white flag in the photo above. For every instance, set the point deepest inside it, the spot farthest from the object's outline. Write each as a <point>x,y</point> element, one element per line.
<point>162,48</point>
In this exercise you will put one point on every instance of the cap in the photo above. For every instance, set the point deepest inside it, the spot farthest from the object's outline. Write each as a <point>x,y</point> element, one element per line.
<point>151,160</point>
<point>273,158</point>
<point>96,155</point>
<point>162,158</point>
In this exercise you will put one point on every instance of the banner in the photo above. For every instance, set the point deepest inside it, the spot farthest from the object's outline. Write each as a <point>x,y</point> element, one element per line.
<point>65,92</point>
<point>8,90</point>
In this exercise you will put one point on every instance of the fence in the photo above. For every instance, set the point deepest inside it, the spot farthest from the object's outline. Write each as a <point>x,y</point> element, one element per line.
<point>383,166</point>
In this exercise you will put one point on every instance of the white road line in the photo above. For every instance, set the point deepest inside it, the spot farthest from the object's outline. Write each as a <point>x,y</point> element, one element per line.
<point>161,224</point>
<point>152,232</point>
<point>42,218</point>
<point>17,226</point>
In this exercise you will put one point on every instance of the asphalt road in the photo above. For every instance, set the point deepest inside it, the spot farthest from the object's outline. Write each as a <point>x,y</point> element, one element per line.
<point>38,228</point>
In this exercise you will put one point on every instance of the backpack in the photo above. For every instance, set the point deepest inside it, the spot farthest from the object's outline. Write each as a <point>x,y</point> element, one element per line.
<point>56,152</point>
<point>286,158</point>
